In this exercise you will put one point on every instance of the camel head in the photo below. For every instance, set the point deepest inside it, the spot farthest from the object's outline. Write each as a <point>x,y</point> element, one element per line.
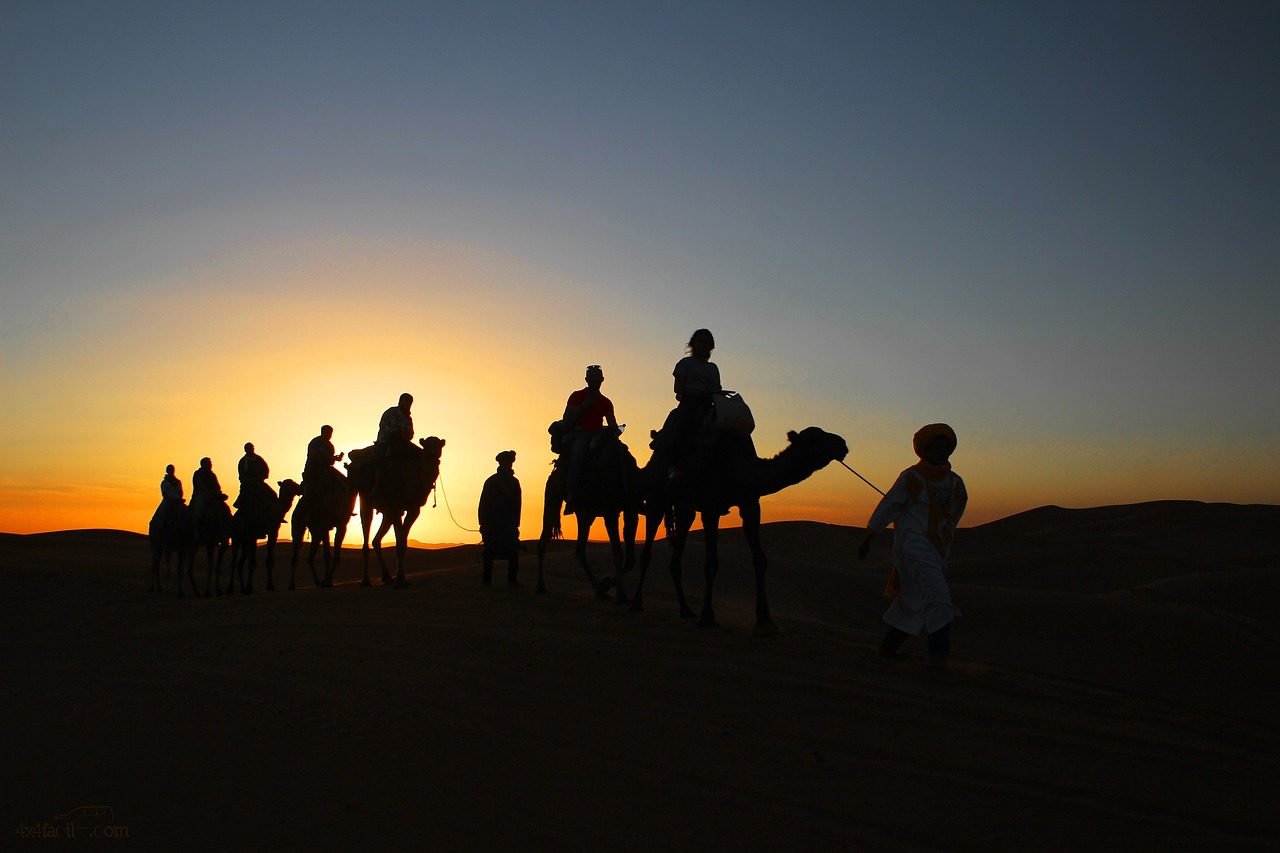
<point>289,489</point>
<point>432,446</point>
<point>816,448</point>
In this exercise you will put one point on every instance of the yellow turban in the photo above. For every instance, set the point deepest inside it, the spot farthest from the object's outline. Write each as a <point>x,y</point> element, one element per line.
<point>928,433</point>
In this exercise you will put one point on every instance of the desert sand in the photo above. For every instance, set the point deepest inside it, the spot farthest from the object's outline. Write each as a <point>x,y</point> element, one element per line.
<point>1113,687</point>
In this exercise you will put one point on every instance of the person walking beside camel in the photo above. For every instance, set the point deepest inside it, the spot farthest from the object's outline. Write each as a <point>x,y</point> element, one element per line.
<point>499,513</point>
<point>924,505</point>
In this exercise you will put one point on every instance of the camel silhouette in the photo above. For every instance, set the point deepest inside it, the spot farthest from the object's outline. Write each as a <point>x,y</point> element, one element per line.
<point>325,507</point>
<point>610,488</point>
<point>727,475</point>
<point>408,479</point>
<point>171,533</point>
<point>259,519</point>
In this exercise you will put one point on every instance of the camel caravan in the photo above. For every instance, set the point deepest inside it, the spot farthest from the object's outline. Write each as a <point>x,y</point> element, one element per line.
<point>703,464</point>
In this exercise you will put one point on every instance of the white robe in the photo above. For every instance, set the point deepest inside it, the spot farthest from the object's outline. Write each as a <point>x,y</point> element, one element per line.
<point>925,601</point>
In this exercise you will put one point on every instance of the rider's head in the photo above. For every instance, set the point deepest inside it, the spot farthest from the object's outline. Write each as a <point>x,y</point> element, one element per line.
<point>326,432</point>
<point>406,401</point>
<point>248,447</point>
<point>168,469</point>
<point>701,340</point>
<point>206,463</point>
<point>595,376</point>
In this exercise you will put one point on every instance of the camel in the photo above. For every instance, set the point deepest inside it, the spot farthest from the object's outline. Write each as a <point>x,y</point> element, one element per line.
<point>172,532</point>
<point>261,519</point>
<point>408,479</point>
<point>721,477</point>
<point>321,509</point>
<point>609,488</point>
<point>213,534</point>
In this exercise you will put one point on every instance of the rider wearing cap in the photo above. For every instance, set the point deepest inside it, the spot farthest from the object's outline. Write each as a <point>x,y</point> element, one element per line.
<point>586,414</point>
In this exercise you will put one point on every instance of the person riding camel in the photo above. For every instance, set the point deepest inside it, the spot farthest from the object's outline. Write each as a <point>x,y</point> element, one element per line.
<point>395,431</point>
<point>317,473</point>
<point>205,493</point>
<point>170,497</point>
<point>585,415</point>
<point>697,378</point>
<point>253,471</point>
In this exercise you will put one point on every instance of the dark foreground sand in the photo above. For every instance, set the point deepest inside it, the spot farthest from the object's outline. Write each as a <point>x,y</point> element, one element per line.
<point>1114,687</point>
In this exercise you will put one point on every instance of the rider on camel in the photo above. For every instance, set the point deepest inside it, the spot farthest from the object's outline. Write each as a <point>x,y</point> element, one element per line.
<point>696,379</point>
<point>585,413</point>
<point>318,471</point>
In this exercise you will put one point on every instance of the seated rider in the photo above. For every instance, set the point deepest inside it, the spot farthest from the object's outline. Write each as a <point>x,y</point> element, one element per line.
<point>318,470</point>
<point>170,497</point>
<point>253,472</point>
<point>395,431</point>
<point>205,492</point>
<point>696,379</point>
<point>586,412</point>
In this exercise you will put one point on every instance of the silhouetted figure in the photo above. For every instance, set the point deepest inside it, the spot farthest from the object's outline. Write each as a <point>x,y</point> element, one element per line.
<point>399,495</point>
<point>697,378</point>
<point>499,513</point>
<point>585,415</point>
<point>170,498</point>
<point>171,532</point>
<point>730,474</point>
<point>253,472</point>
<point>254,520</point>
<point>924,505</point>
<point>206,493</point>
<point>610,487</point>
<point>318,472</point>
<point>395,434</point>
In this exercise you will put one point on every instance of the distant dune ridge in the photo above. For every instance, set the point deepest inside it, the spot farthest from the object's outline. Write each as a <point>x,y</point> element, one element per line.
<point>1113,687</point>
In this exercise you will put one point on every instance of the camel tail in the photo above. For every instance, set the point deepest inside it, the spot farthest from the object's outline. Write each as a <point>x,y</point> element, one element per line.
<point>669,521</point>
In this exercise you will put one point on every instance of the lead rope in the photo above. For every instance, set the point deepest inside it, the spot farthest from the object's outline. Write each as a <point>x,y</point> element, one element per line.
<point>862,478</point>
<point>440,487</point>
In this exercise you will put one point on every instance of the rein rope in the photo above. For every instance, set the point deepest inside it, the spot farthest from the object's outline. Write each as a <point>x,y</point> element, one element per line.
<point>860,477</point>
<point>440,487</point>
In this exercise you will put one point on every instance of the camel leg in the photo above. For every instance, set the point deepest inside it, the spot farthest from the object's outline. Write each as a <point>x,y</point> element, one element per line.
<point>366,523</point>
<point>319,541</point>
<point>684,521</point>
<point>651,522</point>
<point>331,566</point>
<point>711,533</point>
<point>378,535</point>
<point>759,562</point>
<point>294,551</point>
<point>630,524</point>
<point>271,560</point>
<point>602,586</point>
<point>402,544</point>
<point>615,549</point>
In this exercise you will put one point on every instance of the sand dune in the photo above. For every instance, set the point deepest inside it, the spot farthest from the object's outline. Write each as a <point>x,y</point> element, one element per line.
<point>1112,688</point>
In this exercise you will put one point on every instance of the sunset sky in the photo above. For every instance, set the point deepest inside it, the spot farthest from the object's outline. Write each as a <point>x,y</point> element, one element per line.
<point>1055,226</point>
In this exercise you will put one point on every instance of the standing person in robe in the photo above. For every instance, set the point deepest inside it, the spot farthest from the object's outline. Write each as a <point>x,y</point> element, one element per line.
<point>499,514</point>
<point>924,505</point>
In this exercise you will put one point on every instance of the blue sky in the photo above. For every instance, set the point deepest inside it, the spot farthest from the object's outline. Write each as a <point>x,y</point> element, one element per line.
<point>1053,225</point>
